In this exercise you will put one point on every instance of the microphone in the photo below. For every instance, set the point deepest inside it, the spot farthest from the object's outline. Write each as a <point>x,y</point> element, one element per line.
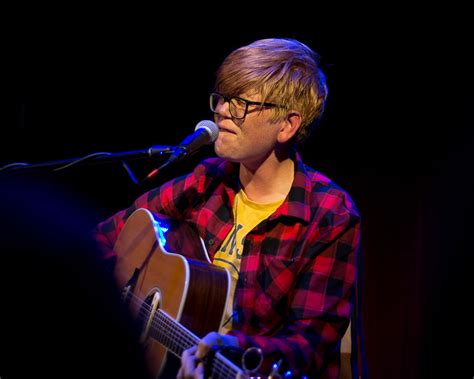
<point>205,132</point>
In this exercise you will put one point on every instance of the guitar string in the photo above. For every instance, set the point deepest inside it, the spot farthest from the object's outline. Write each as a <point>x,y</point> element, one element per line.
<point>170,333</point>
<point>225,365</point>
<point>220,363</point>
<point>221,371</point>
<point>179,334</point>
<point>179,338</point>
<point>164,321</point>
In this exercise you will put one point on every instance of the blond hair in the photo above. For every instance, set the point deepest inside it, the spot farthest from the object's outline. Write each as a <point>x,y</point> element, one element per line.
<point>282,71</point>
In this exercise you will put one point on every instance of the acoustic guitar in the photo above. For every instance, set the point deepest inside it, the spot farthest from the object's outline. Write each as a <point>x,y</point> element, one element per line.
<point>175,298</point>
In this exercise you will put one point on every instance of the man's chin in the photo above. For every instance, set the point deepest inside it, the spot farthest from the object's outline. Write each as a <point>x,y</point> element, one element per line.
<point>226,155</point>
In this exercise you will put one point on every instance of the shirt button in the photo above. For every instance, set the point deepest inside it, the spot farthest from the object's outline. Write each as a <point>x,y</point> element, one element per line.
<point>210,241</point>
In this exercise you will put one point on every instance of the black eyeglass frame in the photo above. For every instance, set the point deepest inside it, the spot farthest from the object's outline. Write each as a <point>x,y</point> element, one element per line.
<point>228,99</point>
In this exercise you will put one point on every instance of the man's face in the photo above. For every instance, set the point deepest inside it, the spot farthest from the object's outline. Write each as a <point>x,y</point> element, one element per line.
<point>248,141</point>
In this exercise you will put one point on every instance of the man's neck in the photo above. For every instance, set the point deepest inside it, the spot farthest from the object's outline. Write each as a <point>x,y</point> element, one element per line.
<point>268,181</point>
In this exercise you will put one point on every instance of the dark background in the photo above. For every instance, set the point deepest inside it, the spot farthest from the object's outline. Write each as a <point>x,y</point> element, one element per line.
<point>397,135</point>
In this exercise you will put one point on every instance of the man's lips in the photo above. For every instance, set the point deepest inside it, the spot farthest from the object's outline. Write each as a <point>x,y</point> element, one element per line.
<point>226,130</point>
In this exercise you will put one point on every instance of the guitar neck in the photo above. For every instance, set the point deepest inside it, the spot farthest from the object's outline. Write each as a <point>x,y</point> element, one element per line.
<point>177,338</point>
<point>171,334</point>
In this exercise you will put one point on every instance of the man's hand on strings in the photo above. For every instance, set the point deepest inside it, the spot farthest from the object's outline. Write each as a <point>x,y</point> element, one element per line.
<point>192,366</point>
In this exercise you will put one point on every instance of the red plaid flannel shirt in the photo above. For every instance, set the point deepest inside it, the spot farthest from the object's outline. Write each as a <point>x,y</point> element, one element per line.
<point>295,289</point>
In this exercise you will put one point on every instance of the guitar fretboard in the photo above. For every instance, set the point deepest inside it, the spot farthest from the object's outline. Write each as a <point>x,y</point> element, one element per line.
<point>177,338</point>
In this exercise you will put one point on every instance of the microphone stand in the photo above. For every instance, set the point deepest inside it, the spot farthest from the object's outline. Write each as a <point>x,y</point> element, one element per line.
<point>94,158</point>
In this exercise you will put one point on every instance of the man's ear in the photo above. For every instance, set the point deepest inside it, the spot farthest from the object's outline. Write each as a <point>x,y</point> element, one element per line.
<point>289,126</point>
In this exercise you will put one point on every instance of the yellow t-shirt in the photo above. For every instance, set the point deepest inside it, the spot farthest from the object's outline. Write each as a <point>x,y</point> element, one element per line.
<point>247,215</point>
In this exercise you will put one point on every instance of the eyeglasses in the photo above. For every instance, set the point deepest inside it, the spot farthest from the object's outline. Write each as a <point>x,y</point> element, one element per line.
<point>238,107</point>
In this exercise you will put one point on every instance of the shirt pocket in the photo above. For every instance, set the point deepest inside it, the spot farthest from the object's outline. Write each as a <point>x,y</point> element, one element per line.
<point>275,280</point>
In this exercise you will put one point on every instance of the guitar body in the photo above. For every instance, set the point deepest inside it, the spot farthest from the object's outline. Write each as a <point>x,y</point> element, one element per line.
<point>186,286</point>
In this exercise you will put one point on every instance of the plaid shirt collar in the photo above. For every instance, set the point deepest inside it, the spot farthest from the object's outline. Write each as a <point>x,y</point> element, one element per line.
<point>298,202</point>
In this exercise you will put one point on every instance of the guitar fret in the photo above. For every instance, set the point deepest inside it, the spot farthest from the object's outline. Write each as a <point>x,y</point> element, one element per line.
<point>177,338</point>
<point>217,369</point>
<point>161,336</point>
<point>171,334</point>
<point>222,367</point>
<point>166,331</point>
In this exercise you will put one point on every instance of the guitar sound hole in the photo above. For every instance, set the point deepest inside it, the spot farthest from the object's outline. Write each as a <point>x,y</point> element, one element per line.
<point>148,307</point>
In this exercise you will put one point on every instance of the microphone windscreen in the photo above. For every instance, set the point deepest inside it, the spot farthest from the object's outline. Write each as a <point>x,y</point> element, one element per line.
<point>211,128</point>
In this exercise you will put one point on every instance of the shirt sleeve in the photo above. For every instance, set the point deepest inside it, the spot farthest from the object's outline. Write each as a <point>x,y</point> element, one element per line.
<point>320,303</point>
<point>175,199</point>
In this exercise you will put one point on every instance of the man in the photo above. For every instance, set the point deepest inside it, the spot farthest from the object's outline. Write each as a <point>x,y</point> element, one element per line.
<point>287,234</point>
